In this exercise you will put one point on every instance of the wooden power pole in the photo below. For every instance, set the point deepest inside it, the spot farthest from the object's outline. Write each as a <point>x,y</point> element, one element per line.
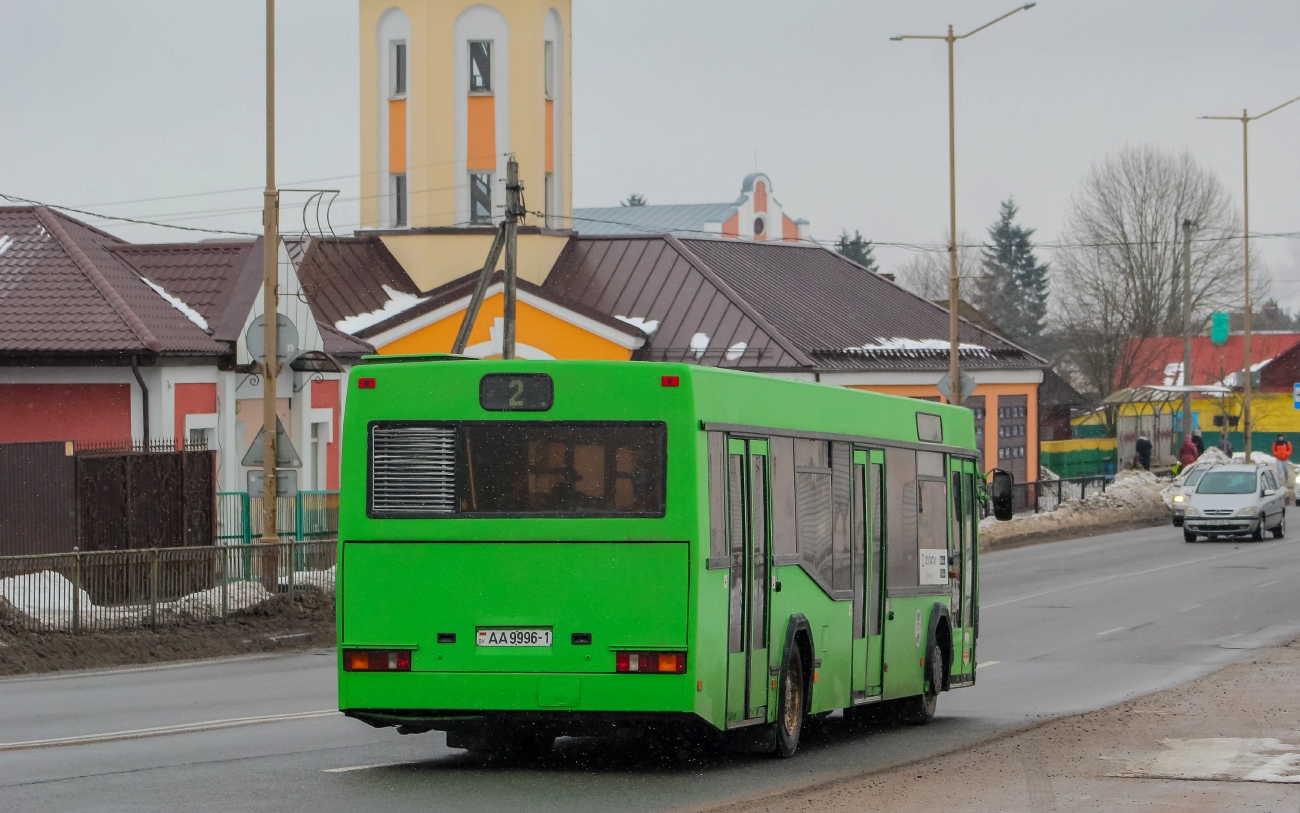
<point>506,239</point>
<point>270,293</point>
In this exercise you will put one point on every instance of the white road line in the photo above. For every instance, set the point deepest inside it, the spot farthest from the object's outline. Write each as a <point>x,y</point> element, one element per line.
<point>363,767</point>
<point>162,731</point>
<point>1193,607</point>
<point>986,664</point>
<point>1266,584</point>
<point>1108,632</point>
<point>1134,573</point>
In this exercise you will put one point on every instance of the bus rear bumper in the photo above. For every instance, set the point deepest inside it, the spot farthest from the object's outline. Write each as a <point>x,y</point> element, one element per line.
<point>423,701</point>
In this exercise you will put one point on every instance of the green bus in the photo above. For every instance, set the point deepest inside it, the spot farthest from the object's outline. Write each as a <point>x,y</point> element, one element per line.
<point>534,549</point>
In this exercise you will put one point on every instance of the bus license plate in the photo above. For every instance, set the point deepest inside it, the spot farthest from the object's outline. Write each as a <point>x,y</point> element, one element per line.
<point>514,637</point>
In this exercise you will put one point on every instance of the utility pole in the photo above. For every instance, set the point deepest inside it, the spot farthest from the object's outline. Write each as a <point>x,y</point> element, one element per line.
<point>1245,119</point>
<point>1187,327</point>
<point>506,239</point>
<point>954,280</point>
<point>270,293</point>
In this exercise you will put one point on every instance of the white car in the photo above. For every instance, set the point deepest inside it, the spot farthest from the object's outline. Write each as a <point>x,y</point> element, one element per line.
<point>1235,500</point>
<point>1186,484</point>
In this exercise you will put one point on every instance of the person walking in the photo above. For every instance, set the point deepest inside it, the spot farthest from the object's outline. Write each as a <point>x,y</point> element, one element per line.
<point>1143,449</point>
<point>1187,454</point>
<point>1225,444</point>
<point>1282,451</point>
<point>1200,443</point>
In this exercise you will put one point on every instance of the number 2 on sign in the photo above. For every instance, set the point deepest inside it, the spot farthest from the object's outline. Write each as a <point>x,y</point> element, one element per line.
<point>516,392</point>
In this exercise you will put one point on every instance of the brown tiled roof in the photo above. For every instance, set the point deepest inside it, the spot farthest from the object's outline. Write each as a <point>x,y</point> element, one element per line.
<point>63,290</point>
<point>341,345</point>
<point>345,276</point>
<point>841,314</point>
<point>206,276</point>
<point>656,278</point>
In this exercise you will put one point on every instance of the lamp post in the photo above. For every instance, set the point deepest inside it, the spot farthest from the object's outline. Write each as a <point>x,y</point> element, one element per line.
<point>954,283</point>
<point>1245,119</point>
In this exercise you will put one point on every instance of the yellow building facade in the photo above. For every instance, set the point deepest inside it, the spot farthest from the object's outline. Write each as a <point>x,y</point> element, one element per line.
<point>450,88</point>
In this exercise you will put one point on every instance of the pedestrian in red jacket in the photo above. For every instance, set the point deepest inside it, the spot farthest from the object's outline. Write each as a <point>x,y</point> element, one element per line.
<point>1187,453</point>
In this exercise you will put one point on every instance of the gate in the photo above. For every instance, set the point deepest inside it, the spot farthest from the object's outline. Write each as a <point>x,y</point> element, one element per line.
<point>145,497</point>
<point>37,498</point>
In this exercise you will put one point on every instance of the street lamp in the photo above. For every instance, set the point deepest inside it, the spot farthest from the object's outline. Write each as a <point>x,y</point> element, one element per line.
<point>954,284</point>
<point>1245,120</point>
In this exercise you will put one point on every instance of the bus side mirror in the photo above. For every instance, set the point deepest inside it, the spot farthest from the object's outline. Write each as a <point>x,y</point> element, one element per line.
<point>1000,495</point>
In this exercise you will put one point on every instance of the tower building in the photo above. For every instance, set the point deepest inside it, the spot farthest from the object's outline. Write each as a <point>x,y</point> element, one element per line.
<point>449,88</point>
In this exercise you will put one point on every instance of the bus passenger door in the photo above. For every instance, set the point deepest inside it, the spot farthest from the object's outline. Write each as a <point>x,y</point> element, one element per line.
<point>868,551</point>
<point>747,534</point>
<point>967,620</point>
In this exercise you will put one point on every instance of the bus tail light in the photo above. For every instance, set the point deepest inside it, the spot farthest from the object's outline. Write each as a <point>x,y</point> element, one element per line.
<point>670,381</point>
<point>376,660</point>
<point>661,663</point>
<point>365,383</point>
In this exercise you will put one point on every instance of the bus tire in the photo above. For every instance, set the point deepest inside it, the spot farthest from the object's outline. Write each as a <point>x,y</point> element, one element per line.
<point>791,703</point>
<point>922,708</point>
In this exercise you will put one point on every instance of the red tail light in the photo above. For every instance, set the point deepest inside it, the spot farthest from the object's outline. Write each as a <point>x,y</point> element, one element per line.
<point>365,383</point>
<point>660,663</point>
<point>670,381</point>
<point>376,660</point>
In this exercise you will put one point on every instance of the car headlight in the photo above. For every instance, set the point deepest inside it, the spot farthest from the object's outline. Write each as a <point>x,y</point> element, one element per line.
<point>1191,511</point>
<point>1179,498</point>
<point>1248,511</point>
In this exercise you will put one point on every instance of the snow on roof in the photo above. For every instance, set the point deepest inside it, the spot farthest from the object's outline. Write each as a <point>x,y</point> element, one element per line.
<point>191,314</point>
<point>6,242</point>
<point>914,346</point>
<point>647,325</point>
<point>398,302</point>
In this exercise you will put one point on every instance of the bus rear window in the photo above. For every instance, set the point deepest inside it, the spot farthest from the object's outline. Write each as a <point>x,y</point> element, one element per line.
<point>430,469</point>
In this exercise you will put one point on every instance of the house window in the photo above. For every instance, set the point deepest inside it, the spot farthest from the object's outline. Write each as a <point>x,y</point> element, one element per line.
<point>760,227</point>
<point>480,197</point>
<point>399,199</point>
<point>548,69</point>
<point>198,439</point>
<point>399,69</point>
<point>480,67</point>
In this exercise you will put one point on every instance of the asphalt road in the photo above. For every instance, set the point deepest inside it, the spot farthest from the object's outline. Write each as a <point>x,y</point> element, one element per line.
<point>1066,627</point>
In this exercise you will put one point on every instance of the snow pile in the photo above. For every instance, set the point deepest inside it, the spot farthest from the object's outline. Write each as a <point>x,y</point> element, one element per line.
<point>915,347</point>
<point>647,325</point>
<point>398,302</point>
<point>1133,498</point>
<point>47,599</point>
<point>6,243</point>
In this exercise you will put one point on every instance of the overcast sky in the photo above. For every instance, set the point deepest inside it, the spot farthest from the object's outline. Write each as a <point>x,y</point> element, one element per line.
<point>106,103</point>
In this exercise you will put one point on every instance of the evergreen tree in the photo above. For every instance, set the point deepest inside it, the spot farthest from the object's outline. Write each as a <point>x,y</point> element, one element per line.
<point>634,200</point>
<point>1012,290</point>
<point>858,250</point>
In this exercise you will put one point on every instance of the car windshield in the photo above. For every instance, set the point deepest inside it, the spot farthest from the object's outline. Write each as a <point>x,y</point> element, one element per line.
<point>1194,477</point>
<point>1227,482</point>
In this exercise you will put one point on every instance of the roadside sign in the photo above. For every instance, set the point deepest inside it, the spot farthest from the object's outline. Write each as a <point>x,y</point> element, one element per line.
<point>286,483</point>
<point>1219,328</point>
<point>1295,395</point>
<point>945,387</point>
<point>286,457</point>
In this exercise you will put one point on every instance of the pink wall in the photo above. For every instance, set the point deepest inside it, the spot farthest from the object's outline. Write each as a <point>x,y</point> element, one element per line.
<point>325,395</point>
<point>87,413</point>
<point>192,399</point>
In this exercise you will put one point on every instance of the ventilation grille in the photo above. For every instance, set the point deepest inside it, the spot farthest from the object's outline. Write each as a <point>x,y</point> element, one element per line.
<point>413,469</point>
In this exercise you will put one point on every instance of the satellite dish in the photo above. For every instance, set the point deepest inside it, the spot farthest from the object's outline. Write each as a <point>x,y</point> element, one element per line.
<point>286,340</point>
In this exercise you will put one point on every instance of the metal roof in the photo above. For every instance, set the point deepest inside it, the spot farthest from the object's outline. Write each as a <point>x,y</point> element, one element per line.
<point>682,220</point>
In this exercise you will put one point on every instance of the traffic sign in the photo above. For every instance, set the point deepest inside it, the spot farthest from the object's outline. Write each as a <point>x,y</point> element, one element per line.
<point>286,483</point>
<point>1295,394</point>
<point>286,457</point>
<point>967,387</point>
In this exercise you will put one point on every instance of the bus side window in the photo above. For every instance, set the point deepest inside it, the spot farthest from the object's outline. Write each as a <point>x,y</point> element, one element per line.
<point>813,507</point>
<point>785,549</point>
<point>901,515</point>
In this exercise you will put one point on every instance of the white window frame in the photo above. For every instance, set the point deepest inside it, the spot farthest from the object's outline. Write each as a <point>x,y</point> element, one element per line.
<point>401,200</point>
<point>399,67</point>
<point>548,69</point>
<point>486,90</point>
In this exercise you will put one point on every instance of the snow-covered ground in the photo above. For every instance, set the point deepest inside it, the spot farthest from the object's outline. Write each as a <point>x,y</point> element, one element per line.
<point>45,600</point>
<point>1134,496</point>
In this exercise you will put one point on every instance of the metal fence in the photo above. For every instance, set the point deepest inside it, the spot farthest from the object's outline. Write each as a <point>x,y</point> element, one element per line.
<point>155,588</point>
<point>1045,495</point>
<point>308,515</point>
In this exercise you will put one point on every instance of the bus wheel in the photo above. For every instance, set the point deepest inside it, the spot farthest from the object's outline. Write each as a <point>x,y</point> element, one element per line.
<point>790,705</point>
<point>921,709</point>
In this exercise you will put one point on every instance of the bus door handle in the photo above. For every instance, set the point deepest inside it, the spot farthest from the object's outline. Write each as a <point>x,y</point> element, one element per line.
<point>776,587</point>
<point>890,617</point>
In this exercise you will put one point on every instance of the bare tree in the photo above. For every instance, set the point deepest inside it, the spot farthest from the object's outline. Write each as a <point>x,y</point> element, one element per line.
<point>926,273</point>
<point>1120,268</point>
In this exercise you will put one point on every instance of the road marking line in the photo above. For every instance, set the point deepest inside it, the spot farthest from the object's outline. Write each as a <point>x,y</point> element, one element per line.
<point>1135,573</point>
<point>161,731</point>
<point>363,767</point>
<point>986,664</point>
<point>1266,584</point>
<point>1193,607</point>
<point>1108,632</point>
